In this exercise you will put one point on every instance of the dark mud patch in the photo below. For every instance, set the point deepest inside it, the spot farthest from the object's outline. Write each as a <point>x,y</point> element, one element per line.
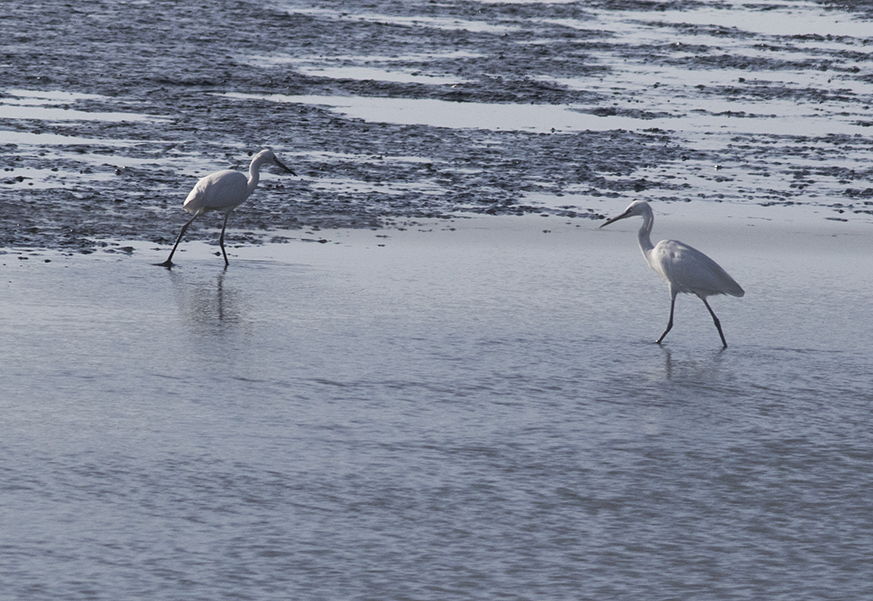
<point>66,182</point>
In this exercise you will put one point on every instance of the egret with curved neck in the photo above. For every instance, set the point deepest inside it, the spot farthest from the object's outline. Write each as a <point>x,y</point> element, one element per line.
<point>685,269</point>
<point>223,191</point>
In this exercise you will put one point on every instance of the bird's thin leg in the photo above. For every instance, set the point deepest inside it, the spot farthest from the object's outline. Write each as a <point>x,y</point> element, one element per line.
<point>169,261</point>
<point>669,323</point>
<point>715,319</point>
<point>221,240</point>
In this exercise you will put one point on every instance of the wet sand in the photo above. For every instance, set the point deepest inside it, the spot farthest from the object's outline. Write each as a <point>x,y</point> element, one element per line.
<point>766,250</point>
<point>421,110</point>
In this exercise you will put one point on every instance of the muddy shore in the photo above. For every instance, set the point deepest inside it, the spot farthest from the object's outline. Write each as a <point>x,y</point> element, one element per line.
<point>110,112</point>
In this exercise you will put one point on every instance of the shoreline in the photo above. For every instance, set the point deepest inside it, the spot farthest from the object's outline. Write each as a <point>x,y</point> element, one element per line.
<point>381,128</point>
<point>721,225</point>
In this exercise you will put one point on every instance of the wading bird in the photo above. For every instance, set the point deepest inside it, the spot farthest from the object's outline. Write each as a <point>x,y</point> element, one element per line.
<point>685,269</point>
<point>223,191</point>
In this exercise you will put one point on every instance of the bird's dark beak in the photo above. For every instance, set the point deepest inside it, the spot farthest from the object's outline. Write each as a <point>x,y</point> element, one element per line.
<point>614,219</point>
<point>280,164</point>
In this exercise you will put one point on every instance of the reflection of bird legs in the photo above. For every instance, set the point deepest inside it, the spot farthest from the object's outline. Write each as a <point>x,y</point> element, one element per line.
<point>169,262</point>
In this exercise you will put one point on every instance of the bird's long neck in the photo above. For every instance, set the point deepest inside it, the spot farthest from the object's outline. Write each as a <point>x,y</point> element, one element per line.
<point>644,235</point>
<point>254,174</point>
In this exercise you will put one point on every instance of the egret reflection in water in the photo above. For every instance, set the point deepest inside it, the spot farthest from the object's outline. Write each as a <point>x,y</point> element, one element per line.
<point>209,301</point>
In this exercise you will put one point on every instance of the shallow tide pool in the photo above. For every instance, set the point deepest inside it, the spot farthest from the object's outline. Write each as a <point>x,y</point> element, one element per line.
<point>460,409</point>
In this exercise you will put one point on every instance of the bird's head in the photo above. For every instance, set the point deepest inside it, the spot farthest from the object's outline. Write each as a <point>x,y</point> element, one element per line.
<point>636,208</point>
<point>267,156</point>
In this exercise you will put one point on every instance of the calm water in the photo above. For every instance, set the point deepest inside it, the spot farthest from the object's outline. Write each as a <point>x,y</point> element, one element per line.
<point>467,413</point>
<point>456,414</point>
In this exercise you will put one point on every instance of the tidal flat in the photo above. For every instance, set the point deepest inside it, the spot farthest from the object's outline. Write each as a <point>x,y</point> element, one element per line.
<point>427,373</point>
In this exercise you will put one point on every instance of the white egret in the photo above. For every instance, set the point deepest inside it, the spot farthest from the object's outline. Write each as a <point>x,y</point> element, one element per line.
<point>223,191</point>
<point>685,269</point>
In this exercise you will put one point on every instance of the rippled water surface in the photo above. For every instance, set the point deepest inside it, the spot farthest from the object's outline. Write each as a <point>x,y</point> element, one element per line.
<point>427,374</point>
<point>466,412</point>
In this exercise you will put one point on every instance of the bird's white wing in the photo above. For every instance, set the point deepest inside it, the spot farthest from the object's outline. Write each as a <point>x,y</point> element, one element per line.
<point>689,270</point>
<point>216,191</point>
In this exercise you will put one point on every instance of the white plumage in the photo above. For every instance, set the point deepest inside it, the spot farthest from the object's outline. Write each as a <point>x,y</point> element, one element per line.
<point>223,191</point>
<point>686,269</point>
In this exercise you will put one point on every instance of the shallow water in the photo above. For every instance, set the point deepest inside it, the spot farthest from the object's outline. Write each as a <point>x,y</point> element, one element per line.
<point>440,407</point>
<point>469,411</point>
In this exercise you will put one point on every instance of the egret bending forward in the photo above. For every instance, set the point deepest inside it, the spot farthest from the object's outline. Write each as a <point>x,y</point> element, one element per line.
<point>223,191</point>
<point>685,269</point>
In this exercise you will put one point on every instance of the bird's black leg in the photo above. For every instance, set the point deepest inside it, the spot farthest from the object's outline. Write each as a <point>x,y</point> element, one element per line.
<point>669,323</point>
<point>221,240</point>
<point>717,322</point>
<point>169,262</point>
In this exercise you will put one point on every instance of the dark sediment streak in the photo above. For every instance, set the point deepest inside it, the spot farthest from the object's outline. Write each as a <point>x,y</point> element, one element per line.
<point>174,62</point>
